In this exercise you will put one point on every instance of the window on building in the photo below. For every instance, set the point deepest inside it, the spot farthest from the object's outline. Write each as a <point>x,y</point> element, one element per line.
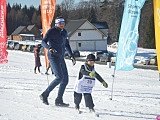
<point>79,34</point>
<point>79,44</point>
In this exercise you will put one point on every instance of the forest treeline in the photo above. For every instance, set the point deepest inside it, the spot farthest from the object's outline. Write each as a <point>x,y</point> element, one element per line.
<point>110,11</point>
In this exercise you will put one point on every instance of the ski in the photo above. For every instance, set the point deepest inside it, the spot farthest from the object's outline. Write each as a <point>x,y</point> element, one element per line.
<point>62,105</point>
<point>94,112</point>
<point>90,112</point>
<point>79,111</point>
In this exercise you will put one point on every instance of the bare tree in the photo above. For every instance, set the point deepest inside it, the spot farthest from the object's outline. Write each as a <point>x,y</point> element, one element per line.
<point>68,4</point>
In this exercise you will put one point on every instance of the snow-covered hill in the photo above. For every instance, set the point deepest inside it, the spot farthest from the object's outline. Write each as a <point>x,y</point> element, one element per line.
<point>136,93</point>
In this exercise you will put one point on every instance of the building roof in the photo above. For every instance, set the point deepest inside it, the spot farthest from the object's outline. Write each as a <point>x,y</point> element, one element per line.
<point>23,30</point>
<point>18,30</point>
<point>100,25</point>
<point>30,27</point>
<point>73,25</point>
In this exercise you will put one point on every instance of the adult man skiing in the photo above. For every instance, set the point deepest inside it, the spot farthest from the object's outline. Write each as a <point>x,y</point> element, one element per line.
<point>56,41</point>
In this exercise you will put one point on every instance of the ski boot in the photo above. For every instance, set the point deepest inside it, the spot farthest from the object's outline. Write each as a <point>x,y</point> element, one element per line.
<point>59,102</point>
<point>44,98</point>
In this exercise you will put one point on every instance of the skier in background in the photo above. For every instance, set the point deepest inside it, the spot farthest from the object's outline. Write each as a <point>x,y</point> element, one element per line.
<point>37,58</point>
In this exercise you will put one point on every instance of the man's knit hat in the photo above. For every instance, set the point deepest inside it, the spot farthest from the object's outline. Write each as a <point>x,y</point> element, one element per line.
<point>59,20</point>
<point>90,57</point>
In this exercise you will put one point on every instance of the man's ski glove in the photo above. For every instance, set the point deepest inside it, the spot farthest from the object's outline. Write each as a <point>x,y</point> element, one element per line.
<point>73,60</point>
<point>104,84</point>
<point>92,74</point>
<point>52,51</point>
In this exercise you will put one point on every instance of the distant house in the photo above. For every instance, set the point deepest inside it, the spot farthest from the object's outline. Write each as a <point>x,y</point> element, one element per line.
<point>34,30</point>
<point>84,36</point>
<point>16,35</point>
<point>23,33</point>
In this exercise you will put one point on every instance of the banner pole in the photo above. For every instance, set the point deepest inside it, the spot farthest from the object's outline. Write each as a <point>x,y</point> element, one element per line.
<point>112,85</point>
<point>47,13</point>
<point>156,5</point>
<point>3,32</point>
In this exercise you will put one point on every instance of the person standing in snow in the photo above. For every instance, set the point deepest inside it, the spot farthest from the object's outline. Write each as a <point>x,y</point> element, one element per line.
<point>37,58</point>
<point>56,41</point>
<point>85,82</point>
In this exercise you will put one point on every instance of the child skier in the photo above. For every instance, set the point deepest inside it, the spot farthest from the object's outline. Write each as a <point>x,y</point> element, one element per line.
<point>85,83</point>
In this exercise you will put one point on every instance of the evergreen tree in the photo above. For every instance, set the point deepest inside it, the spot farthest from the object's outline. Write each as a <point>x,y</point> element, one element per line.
<point>149,41</point>
<point>34,18</point>
<point>8,8</point>
<point>30,12</point>
<point>24,9</point>
<point>92,15</point>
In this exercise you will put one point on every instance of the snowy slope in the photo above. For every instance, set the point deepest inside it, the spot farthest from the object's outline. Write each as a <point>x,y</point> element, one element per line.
<point>136,93</point>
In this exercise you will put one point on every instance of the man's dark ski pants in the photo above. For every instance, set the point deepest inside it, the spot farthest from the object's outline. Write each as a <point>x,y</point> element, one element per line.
<point>59,68</point>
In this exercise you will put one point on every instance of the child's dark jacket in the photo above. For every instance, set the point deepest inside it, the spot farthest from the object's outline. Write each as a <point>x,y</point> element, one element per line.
<point>90,68</point>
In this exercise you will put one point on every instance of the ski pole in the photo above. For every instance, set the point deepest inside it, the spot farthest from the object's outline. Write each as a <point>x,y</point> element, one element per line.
<point>112,85</point>
<point>47,80</point>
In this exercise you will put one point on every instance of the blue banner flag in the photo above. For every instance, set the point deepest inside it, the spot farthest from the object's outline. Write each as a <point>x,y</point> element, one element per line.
<point>128,38</point>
